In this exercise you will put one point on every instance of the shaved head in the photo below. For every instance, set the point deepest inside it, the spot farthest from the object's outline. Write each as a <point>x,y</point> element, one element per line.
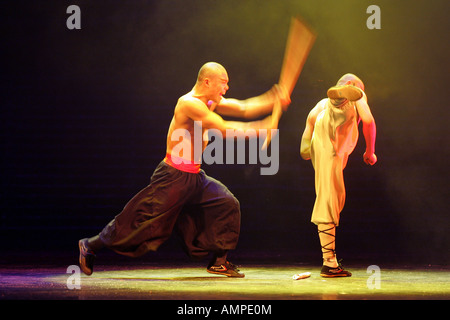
<point>354,80</point>
<point>210,70</point>
<point>212,82</point>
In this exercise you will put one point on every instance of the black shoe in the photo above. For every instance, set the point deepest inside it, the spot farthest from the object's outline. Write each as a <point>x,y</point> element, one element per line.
<point>87,257</point>
<point>328,272</point>
<point>228,269</point>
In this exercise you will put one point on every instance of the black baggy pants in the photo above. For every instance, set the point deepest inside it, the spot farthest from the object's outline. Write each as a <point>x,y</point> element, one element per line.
<point>204,212</point>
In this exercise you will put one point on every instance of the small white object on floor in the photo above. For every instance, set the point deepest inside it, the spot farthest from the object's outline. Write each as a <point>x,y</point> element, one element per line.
<point>300,276</point>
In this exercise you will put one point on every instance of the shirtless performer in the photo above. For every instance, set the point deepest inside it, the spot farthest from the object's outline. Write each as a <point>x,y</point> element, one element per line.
<point>330,136</point>
<point>180,194</point>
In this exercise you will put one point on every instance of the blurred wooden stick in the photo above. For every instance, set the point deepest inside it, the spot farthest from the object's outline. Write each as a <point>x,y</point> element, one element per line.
<point>298,45</point>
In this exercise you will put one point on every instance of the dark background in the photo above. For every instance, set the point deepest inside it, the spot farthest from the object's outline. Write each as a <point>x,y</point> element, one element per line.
<point>84,117</point>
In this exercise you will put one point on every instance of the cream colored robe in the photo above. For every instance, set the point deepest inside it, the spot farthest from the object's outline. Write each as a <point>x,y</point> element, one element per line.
<point>334,138</point>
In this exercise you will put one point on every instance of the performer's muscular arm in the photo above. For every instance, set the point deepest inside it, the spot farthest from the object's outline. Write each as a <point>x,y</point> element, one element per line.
<point>198,111</point>
<point>369,130</point>
<point>253,107</point>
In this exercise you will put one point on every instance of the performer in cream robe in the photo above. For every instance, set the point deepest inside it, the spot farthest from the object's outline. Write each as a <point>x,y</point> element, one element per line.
<point>330,136</point>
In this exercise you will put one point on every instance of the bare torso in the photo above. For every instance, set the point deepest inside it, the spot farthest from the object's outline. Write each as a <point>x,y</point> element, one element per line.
<point>183,131</point>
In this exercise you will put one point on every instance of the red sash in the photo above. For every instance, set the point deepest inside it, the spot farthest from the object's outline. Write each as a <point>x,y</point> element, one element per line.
<point>182,164</point>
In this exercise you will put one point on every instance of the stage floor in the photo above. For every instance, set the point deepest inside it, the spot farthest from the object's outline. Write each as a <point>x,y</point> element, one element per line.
<point>190,281</point>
